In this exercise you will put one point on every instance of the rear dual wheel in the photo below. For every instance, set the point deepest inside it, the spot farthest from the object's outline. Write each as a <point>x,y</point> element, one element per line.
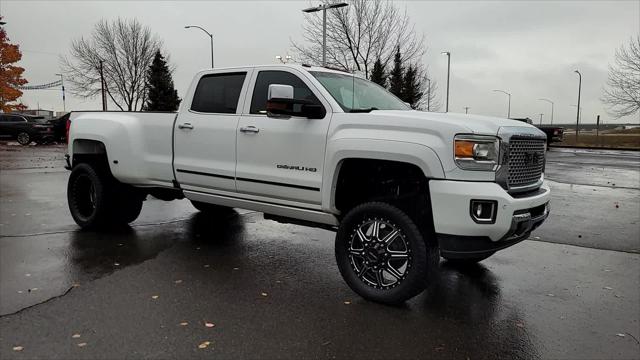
<point>382,254</point>
<point>97,200</point>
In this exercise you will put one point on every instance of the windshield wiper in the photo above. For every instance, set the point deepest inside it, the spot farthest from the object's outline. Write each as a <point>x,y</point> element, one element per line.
<point>365,110</point>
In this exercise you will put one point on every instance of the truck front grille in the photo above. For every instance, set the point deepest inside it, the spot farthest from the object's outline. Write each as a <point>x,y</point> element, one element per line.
<point>526,161</point>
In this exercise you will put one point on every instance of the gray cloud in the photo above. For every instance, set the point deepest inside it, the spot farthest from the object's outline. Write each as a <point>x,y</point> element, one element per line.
<point>529,48</point>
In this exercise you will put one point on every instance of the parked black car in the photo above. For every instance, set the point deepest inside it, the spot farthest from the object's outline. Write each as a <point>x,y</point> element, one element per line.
<point>554,133</point>
<point>60,128</point>
<point>25,128</point>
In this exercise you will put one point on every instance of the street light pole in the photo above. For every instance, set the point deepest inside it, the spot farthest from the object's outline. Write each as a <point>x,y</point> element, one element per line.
<point>448,75</point>
<point>509,104</point>
<point>324,8</point>
<point>210,37</point>
<point>550,102</point>
<point>578,110</point>
<point>428,94</point>
<point>541,118</point>
<point>64,106</point>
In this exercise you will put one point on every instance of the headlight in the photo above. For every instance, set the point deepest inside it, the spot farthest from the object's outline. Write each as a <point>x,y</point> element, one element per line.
<point>476,152</point>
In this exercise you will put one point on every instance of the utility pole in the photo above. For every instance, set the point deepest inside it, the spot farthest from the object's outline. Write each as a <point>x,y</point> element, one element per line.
<point>448,75</point>
<point>64,106</point>
<point>324,8</point>
<point>104,96</point>
<point>466,109</point>
<point>578,110</point>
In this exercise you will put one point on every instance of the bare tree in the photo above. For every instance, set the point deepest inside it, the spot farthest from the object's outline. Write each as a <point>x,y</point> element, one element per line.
<point>359,34</point>
<point>126,49</point>
<point>622,93</point>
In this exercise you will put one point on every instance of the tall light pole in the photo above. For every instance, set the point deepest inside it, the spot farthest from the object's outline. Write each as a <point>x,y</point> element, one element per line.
<point>428,94</point>
<point>509,104</point>
<point>550,102</point>
<point>210,37</point>
<point>324,8</point>
<point>578,110</point>
<point>448,75</point>
<point>541,118</point>
<point>64,106</point>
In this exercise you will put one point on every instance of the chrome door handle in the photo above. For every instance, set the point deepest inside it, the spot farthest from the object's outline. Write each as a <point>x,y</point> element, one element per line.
<point>249,129</point>
<point>185,126</point>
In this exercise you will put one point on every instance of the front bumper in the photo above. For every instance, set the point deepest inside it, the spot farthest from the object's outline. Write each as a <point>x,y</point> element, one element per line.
<point>460,236</point>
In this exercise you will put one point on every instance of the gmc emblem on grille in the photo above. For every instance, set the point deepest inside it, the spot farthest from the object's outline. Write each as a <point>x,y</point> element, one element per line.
<point>531,158</point>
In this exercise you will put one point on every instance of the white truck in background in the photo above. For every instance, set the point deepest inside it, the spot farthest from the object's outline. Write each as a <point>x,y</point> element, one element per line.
<point>318,147</point>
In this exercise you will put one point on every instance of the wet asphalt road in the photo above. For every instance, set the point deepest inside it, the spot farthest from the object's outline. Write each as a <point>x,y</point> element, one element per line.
<point>569,292</point>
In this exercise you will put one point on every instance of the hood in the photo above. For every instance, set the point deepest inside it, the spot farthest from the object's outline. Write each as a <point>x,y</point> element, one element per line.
<point>469,123</point>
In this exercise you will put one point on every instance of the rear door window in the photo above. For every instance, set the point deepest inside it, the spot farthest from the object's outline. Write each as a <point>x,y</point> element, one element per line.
<point>218,93</point>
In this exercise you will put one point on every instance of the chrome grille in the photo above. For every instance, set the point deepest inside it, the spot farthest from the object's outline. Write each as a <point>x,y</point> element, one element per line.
<point>526,161</point>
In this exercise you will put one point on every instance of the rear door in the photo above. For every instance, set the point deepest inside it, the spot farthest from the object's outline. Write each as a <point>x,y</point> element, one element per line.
<point>205,132</point>
<point>281,157</point>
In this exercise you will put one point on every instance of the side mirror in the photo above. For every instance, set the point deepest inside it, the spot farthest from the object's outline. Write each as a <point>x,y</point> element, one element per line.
<point>280,101</point>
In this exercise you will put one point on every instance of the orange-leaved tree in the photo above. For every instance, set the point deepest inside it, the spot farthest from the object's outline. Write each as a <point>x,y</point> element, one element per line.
<point>10,75</point>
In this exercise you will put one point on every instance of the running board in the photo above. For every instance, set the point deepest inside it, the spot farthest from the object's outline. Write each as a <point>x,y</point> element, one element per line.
<point>301,215</point>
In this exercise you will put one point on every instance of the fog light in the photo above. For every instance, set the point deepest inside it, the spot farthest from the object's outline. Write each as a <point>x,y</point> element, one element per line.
<point>484,211</point>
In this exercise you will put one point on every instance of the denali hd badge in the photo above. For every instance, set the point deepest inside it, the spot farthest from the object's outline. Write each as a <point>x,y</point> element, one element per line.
<point>295,167</point>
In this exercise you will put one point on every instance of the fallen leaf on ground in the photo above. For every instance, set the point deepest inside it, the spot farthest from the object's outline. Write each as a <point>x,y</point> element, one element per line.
<point>18,348</point>
<point>520,325</point>
<point>184,323</point>
<point>20,291</point>
<point>326,343</point>
<point>209,325</point>
<point>608,288</point>
<point>236,268</point>
<point>116,264</point>
<point>621,335</point>
<point>206,265</point>
<point>27,275</point>
<point>204,345</point>
<point>347,302</point>
<point>75,336</point>
<point>75,285</point>
<point>82,344</point>
<point>178,281</point>
<point>154,297</point>
<point>263,294</point>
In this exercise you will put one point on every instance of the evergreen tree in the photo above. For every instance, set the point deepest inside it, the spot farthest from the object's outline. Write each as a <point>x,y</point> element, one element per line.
<point>161,94</point>
<point>396,78</point>
<point>378,75</point>
<point>412,87</point>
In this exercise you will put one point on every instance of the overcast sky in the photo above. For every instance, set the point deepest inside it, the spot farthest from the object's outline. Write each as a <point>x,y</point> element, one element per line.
<point>527,48</point>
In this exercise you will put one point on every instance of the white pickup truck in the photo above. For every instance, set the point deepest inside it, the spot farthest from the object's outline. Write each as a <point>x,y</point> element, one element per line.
<point>318,147</point>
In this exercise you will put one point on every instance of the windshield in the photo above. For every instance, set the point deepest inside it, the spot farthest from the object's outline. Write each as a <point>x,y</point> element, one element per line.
<point>355,94</point>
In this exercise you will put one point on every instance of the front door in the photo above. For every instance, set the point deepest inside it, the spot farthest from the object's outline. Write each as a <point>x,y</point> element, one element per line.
<point>281,157</point>
<point>205,133</point>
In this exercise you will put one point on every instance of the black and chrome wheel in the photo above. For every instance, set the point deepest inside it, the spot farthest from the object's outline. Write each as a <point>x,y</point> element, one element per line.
<point>381,253</point>
<point>24,138</point>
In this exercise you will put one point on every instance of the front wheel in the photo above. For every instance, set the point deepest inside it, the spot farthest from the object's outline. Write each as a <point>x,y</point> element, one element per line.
<point>24,138</point>
<point>382,255</point>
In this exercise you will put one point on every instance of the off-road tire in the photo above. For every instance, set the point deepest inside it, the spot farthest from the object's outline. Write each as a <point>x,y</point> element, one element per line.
<point>420,263</point>
<point>97,200</point>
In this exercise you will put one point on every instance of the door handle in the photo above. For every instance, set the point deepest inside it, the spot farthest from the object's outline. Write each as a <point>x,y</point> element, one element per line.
<point>185,126</point>
<point>249,129</point>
